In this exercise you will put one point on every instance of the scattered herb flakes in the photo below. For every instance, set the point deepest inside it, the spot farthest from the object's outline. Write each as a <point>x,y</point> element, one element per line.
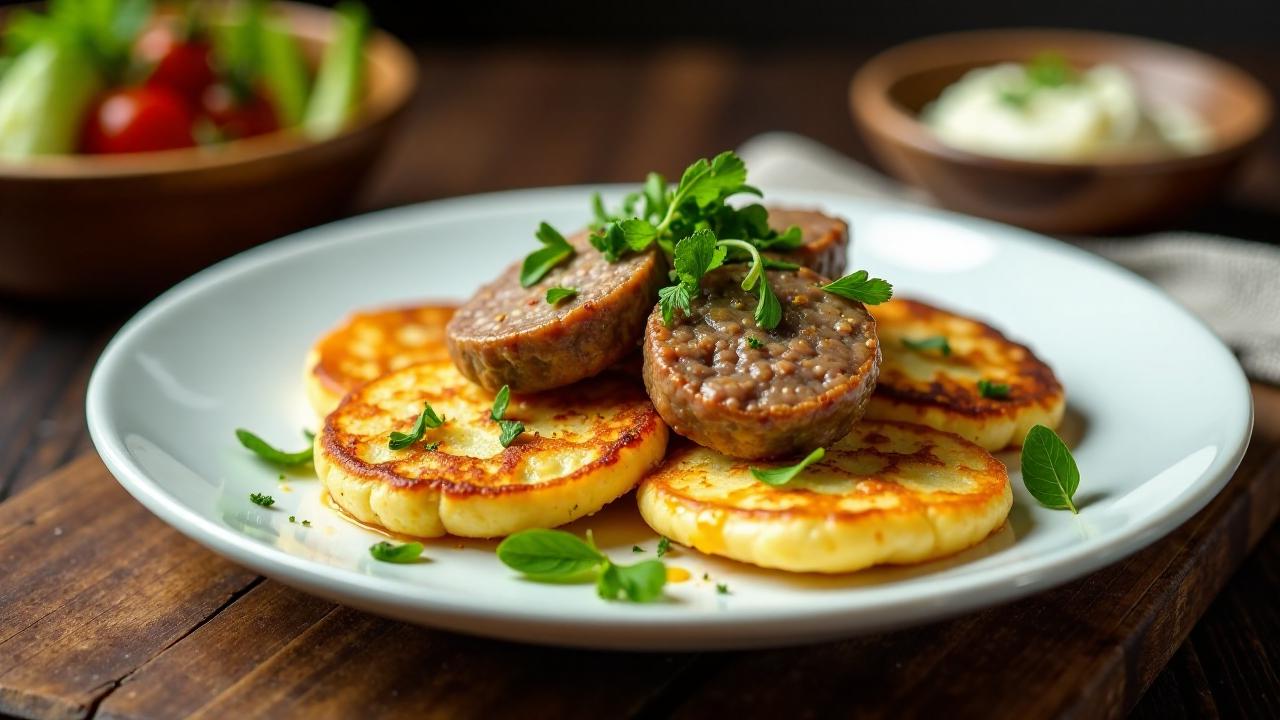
<point>508,430</point>
<point>937,342</point>
<point>637,549</point>
<point>432,446</point>
<point>306,523</point>
<point>270,453</point>
<point>426,419</point>
<point>754,343</point>
<point>392,553</point>
<point>783,475</point>
<point>664,546</point>
<point>263,500</point>
<point>995,391</point>
<point>722,589</point>
<point>555,250</point>
<point>293,519</point>
<point>556,295</point>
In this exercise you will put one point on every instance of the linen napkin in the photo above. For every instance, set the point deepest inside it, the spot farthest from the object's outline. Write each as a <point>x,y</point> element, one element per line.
<point>1232,285</point>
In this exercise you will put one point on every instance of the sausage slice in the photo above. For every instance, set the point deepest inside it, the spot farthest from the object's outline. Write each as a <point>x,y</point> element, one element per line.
<point>826,239</point>
<point>511,335</point>
<point>799,386</point>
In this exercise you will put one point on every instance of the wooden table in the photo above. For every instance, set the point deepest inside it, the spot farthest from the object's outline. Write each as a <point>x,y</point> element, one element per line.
<point>106,611</point>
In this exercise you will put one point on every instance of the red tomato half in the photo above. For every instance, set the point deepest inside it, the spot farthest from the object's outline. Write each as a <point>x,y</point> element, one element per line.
<point>139,119</point>
<point>181,65</point>
<point>239,117</point>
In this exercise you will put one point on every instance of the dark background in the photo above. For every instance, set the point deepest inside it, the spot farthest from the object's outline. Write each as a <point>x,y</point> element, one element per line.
<point>756,22</point>
<point>805,22</point>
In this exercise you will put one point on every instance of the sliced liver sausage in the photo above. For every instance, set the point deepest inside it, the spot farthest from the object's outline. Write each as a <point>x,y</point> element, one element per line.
<point>826,239</point>
<point>804,386</point>
<point>510,335</point>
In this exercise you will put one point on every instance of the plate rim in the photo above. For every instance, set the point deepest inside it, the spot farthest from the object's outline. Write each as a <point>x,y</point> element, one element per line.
<point>772,626</point>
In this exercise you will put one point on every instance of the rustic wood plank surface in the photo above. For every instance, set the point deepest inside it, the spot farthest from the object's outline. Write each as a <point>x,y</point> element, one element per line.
<point>104,610</point>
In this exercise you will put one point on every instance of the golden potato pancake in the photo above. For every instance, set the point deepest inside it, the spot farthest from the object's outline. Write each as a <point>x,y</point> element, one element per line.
<point>930,387</point>
<point>583,446</point>
<point>887,492</point>
<point>371,344</point>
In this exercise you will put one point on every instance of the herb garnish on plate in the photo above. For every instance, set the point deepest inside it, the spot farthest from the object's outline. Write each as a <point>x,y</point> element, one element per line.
<point>559,556</point>
<point>1049,471</point>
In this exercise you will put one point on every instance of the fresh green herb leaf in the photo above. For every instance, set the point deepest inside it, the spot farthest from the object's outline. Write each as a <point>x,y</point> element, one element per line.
<point>783,475</point>
<point>937,342</point>
<point>555,250</point>
<point>508,431</point>
<point>722,589</point>
<point>697,255</point>
<point>670,299</point>
<point>642,582</point>
<point>789,240</point>
<point>1048,470</point>
<point>638,233</point>
<point>556,294</point>
<point>549,554</point>
<point>862,288</point>
<point>272,454</point>
<point>655,195</point>
<point>260,499</point>
<point>392,553</point>
<point>427,419</point>
<point>612,242</point>
<point>664,546</point>
<point>754,343</point>
<point>995,391</point>
<point>500,401</point>
<point>706,183</point>
<point>768,310</point>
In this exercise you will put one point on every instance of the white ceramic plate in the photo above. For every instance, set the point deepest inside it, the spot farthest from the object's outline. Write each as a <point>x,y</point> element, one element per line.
<point>1159,417</point>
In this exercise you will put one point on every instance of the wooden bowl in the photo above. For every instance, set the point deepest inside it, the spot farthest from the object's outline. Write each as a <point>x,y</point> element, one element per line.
<point>126,226</point>
<point>1106,194</point>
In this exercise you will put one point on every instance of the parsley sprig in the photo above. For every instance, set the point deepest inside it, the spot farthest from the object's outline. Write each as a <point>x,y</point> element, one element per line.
<point>559,556</point>
<point>555,250</point>
<point>508,430</point>
<point>427,419</point>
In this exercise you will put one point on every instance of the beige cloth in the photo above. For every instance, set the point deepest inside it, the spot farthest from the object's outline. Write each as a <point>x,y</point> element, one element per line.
<point>1233,285</point>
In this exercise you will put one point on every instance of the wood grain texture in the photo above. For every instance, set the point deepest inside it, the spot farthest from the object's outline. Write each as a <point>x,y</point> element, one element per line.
<point>93,584</point>
<point>119,616</point>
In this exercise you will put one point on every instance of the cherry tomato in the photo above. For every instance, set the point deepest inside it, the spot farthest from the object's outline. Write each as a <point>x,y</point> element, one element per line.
<point>180,65</point>
<point>138,119</point>
<point>237,117</point>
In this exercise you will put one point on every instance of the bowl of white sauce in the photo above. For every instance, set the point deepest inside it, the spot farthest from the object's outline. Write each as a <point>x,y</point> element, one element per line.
<point>1059,131</point>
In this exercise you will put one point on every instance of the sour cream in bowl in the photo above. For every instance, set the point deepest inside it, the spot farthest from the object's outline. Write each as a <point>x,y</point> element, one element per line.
<point>1049,110</point>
